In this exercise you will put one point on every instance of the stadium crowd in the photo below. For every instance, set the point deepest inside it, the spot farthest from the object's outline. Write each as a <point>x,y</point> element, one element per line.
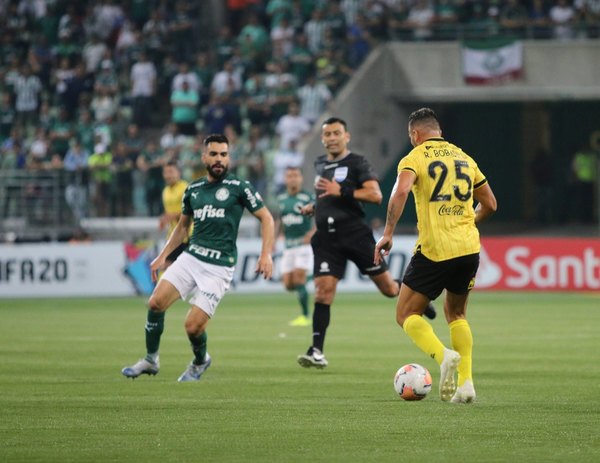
<point>104,93</point>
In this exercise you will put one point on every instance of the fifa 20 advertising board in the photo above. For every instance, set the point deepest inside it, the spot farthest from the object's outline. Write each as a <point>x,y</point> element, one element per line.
<point>122,269</point>
<point>60,269</point>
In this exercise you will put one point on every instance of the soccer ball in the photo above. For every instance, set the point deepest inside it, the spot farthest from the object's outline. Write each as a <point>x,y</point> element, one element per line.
<point>412,382</point>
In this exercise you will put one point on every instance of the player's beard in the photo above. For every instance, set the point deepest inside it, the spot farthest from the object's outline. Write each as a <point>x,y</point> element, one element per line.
<point>217,175</point>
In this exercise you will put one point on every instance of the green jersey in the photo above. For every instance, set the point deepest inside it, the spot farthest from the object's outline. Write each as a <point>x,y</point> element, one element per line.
<point>216,209</point>
<point>295,225</point>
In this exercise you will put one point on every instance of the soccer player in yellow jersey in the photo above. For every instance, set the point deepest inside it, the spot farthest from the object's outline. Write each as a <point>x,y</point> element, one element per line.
<point>172,196</point>
<point>444,181</point>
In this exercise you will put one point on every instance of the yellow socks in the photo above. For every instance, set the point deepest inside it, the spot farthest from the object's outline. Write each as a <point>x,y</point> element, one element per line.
<point>421,332</point>
<point>462,342</point>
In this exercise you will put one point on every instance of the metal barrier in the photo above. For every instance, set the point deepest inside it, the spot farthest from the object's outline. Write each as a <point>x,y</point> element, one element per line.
<point>33,204</point>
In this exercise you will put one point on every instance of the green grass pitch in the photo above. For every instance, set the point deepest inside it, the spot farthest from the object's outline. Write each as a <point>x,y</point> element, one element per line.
<point>63,399</point>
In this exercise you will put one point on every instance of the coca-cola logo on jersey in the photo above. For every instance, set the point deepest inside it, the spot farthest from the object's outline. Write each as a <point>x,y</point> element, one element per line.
<point>540,263</point>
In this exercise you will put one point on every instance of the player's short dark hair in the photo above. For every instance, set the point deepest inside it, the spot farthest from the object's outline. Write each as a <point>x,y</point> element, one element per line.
<point>216,138</point>
<point>298,168</point>
<point>336,120</point>
<point>424,115</point>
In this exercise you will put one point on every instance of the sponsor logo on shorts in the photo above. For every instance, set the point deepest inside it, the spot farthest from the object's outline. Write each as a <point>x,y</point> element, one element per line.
<point>324,268</point>
<point>212,297</point>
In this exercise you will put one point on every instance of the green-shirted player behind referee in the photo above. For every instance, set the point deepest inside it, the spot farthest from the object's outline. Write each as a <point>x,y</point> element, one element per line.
<point>297,229</point>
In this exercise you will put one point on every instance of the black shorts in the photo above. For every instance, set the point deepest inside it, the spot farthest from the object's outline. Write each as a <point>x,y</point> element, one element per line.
<point>333,250</point>
<point>176,252</point>
<point>431,278</point>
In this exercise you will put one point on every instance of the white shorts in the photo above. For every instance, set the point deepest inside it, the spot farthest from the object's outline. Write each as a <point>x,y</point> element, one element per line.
<point>198,282</point>
<point>299,257</point>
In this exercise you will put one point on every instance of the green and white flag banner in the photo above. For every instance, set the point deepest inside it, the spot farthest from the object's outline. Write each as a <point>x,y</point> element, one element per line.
<point>492,62</point>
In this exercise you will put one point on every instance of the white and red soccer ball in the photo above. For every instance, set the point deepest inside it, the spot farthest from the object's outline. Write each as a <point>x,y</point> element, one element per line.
<point>412,382</point>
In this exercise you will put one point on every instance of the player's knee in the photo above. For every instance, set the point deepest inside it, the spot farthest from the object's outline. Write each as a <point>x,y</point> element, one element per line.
<point>193,328</point>
<point>156,304</point>
<point>400,318</point>
<point>289,285</point>
<point>391,290</point>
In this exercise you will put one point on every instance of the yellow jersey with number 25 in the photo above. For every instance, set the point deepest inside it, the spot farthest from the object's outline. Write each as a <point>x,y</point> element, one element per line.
<point>443,191</point>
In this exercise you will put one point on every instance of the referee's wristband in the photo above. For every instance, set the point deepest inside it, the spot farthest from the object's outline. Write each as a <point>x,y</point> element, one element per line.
<point>347,192</point>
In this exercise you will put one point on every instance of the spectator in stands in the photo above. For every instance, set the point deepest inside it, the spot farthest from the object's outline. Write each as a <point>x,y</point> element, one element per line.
<point>75,165</point>
<point>220,114</point>
<point>253,41</point>
<point>336,22</point>
<point>227,82</point>
<point>92,53</point>
<point>154,33</point>
<point>184,113</point>
<point>291,128</point>
<point>481,24</point>
<point>301,59</point>
<point>332,70</point>
<point>122,166</point>
<point>585,176</point>
<point>28,89</point>
<point>143,88</point>
<point>351,9</point>
<point>278,11</point>
<point>38,151</point>
<point>420,20</point>
<point>75,87</point>
<point>180,31</point>
<point>562,16</point>
<point>7,116</point>
<point>84,130</point>
<point>315,31</point>
<point>514,17</point>
<point>150,162</point>
<point>314,97</point>
<point>101,178</point>
<point>282,95</point>
<point>538,20</point>
<point>190,159</point>
<point>185,75</point>
<point>447,16</point>
<point>60,133</point>
<point>224,46</point>
<point>588,11</point>
<point>252,164</point>
<point>106,79</point>
<point>285,158</point>
<point>171,138</point>
<point>66,47</point>
<point>59,76</point>
<point>258,110</point>
<point>282,39</point>
<point>104,105</point>
<point>107,18</point>
<point>360,41</point>
<point>205,72</point>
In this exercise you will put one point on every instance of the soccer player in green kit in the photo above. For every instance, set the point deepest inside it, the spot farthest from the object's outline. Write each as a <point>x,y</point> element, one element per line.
<point>297,257</point>
<point>202,274</point>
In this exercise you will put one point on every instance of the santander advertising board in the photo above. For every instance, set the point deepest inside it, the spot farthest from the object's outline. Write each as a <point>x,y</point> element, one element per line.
<point>556,264</point>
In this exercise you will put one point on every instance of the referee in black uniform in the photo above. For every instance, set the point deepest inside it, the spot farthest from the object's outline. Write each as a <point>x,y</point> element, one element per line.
<point>344,180</point>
